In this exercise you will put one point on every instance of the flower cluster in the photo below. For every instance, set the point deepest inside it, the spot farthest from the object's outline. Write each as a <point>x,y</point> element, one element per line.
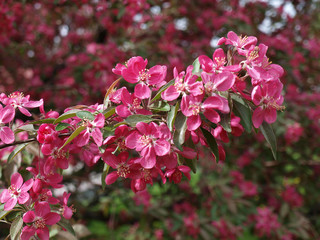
<point>153,133</point>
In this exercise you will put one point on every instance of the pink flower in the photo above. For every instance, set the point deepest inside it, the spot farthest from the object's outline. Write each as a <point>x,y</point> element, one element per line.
<point>136,72</point>
<point>268,99</point>
<point>192,106</point>
<point>217,63</point>
<point>92,130</point>
<point>147,140</point>
<point>125,168</point>
<point>6,115</point>
<point>186,86</point>
<point>17,192</point>
<point>266,222</point>
<point>241,43</point>
<point>218,82</point>
<point>40,218</point>
<point>67,212</point>
<point>175,174</point>
<point>130,105</point>
<point>18,100</point>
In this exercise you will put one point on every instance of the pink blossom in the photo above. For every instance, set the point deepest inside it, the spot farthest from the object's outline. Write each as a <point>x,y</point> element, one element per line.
<point>6,115</point>
<point>218,82</point>
<point>185,84</point>
<point>130,105</point>
<point>266,222</point>
<point>17,192</point>
<point>18,100</point>
<point>136,72</point>
<point>67,212</point>
<point>40,218</point>
<point>92,130</point>
<point>217,63</point>
<point>192,106</point>
<point>241,43</point>
<point>147,140</point>
<point>268,99</point>
<point>175,174</point>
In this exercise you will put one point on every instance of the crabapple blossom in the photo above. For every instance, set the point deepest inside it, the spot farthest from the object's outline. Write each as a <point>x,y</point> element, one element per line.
<point>6,115</point>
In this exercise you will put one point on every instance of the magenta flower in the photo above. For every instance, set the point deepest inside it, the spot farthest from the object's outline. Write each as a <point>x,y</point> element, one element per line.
<point>92,130</point>
<point>186,86</point>
<point>40,218</point>
<point>17,192</point>
<point>125,168</point>
<point>268,99</point>
<point>147,140</point>
<point>18,100</point>
<point>6,115</point>
<point>130,105</point>
<point>136,72</point>
<point>192,106</point>
<point>217,63</point>
<point>67,212</point>
<point>175,174</point>
<point>241,43</point>
<point>218,82</point>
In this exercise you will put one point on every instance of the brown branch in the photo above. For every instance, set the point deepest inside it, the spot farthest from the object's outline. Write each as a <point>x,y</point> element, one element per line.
<point>28,140</point>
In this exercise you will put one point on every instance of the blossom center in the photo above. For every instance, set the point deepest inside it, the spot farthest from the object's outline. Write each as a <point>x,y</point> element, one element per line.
<point>242,40</point>
<point>146,140</point>
<point>144,75</point>
<point>179,85</point>
<point>40,223</point>
<point>123,170</point>
<point>220,61</point>
<point>14,191</point>
<point>195,108</point>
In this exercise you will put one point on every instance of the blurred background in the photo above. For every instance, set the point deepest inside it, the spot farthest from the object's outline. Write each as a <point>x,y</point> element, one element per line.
<point>64,51</point>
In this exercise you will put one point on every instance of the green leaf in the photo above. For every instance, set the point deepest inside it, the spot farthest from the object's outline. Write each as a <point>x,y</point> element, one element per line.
<point>61,126</point>
<point>104,175</point>
<point>212,143</point>
<point>26,127</point>
<point>158,95</point>
<point>160,106</point>
<point>14,153</point>
<point>16,228</point>
<point>109,112</point>
<point>71,113</point>
<point>73,135</point>
<point>132,120</point>
<point>191,163</point>
<point>3,214</point>
<point>226,122</point>
<point>66,225</point>
<point>85,115</point>
<point>196,66</point>
<point>46,120</point>
<point>172,116</point>
<point>180,130</point>
<point>242,109</point>
<point>268,134</point>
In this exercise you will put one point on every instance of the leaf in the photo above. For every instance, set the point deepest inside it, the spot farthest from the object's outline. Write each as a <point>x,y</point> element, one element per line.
<point>46,120</point>
<point>62,126</point>
<point>66,115</point>
<point>192,163</point>
<point>212,143</point>
<point>16,151</point>
<point>172,116</point>
<point>85,115</point>
<point>132,120</point>
<point>66,225</point>
<point>73,135</point>
<point>104,175</point>
<point>268,134</point>
<point>26,127</point>
<point>16,228</point>
<point>3,214</point>
<point>160,106</point>
<point>158,95</point>
<point>110,90</point>
<point>196,66</point>
<point>226,122</point>
<point>110,112</point>
<point>242,109</point>
<point>180,130</point>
